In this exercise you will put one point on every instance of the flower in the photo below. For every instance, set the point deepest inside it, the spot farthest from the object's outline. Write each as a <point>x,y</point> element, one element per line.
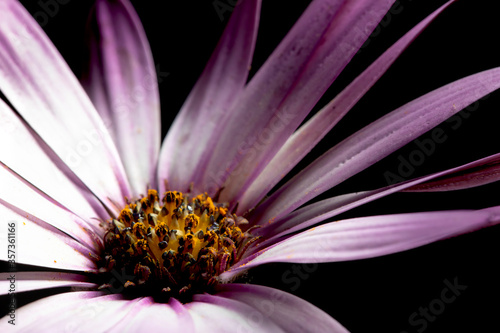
<point>231,142</point>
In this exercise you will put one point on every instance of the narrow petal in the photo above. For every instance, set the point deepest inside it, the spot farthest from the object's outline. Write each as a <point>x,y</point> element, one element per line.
<point>26,281</point>
<point>52,307</point>
<point>190,140</point>
<point>369,237</point>
<point>484,171</point>
<point>42,88</point>
<point>287,87</point>
<point>376,141</point>
<point>320,211</point>
<point>21,146</point>
<point>122,84</point>
<point>290,313</point>
<point>495,211</point>
<point>30,200</point>
<point>308,135</point>
<point>37,243</point>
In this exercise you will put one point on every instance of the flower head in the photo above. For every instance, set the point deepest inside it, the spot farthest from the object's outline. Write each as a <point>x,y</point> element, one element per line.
<point>164,232</point>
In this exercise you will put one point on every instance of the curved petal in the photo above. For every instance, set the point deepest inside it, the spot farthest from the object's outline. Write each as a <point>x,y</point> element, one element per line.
<point>219,314</point>
<point>312,214</point>
<point>26,281</point>
<point>20,147</point>
<point>308,135</point>
<point>376,141</point>
<point>289,312</point>
<point>122,84</point>
<point>484,171</point>
<point>75,312</point>
<point>183,315</point>
<point>99,314</point>
<point>30,200</point>
<point>495,211</point>
<point>286,88</point>
<point>38,312</point>
<point>41,87</point>
<point>149,316</point>
<point>189,141</point>
<point>368,237</point>
<point>37,243</point>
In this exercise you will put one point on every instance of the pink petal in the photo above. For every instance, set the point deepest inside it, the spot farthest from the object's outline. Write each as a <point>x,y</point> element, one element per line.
<point>148,316</point>
<point>290,313</point>
<point>368,237</point>
<point>26,281</point>
<point>183,314</point>
<point>39,310</point>
<point>190,139</point>
<point>74,312</point>
<point>320,211</point>
<point>220,314</point>
<point>40,85</point>
<point>286,88</point>
<point>20,147</point>
<point>484,171</point>
<point>123,86</point>
<point>37,243</point>
<point>494,211</point>
<point>100,314</point>
<point>308,135</point>
<point>30,200</point>
<point>376,141</point>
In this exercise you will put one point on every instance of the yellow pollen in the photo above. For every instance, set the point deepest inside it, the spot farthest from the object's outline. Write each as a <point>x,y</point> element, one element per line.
<point>177,244</point>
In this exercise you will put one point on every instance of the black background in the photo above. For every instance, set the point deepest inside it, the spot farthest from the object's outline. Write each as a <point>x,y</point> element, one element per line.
<point>375,295</point>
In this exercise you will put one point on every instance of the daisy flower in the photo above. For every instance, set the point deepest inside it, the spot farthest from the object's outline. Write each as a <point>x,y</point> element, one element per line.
<point>162,236</point>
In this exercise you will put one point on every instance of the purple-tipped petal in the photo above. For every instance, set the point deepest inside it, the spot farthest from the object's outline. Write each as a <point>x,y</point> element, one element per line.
<point>30,200</point>
<point>20,147</point>
<point>484,171</point>
<point>122,84</point>
<point>47,308</point>
<point>42,88</point>
<point>40,244</point>
<point>190,140</point>
<point>289,312</point>
<point>26,281</point>
<point>308,135</point>
<point>368,237</point>
<point>376,141</point>
<point>312,214</point>
<point>286,88</point>
<point>495,211</point>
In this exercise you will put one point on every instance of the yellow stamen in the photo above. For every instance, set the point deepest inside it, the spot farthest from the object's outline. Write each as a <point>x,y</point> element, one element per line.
<point>178,245</point>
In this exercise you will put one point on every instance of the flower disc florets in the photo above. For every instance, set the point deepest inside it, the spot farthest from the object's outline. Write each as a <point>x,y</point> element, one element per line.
<point>174,248</point>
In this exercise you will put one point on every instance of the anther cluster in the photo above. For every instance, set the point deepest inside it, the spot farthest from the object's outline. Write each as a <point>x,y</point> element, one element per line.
<point>177,247</point>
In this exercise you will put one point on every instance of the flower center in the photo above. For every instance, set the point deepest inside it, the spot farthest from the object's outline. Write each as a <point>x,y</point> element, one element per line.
<point>176,248</point>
